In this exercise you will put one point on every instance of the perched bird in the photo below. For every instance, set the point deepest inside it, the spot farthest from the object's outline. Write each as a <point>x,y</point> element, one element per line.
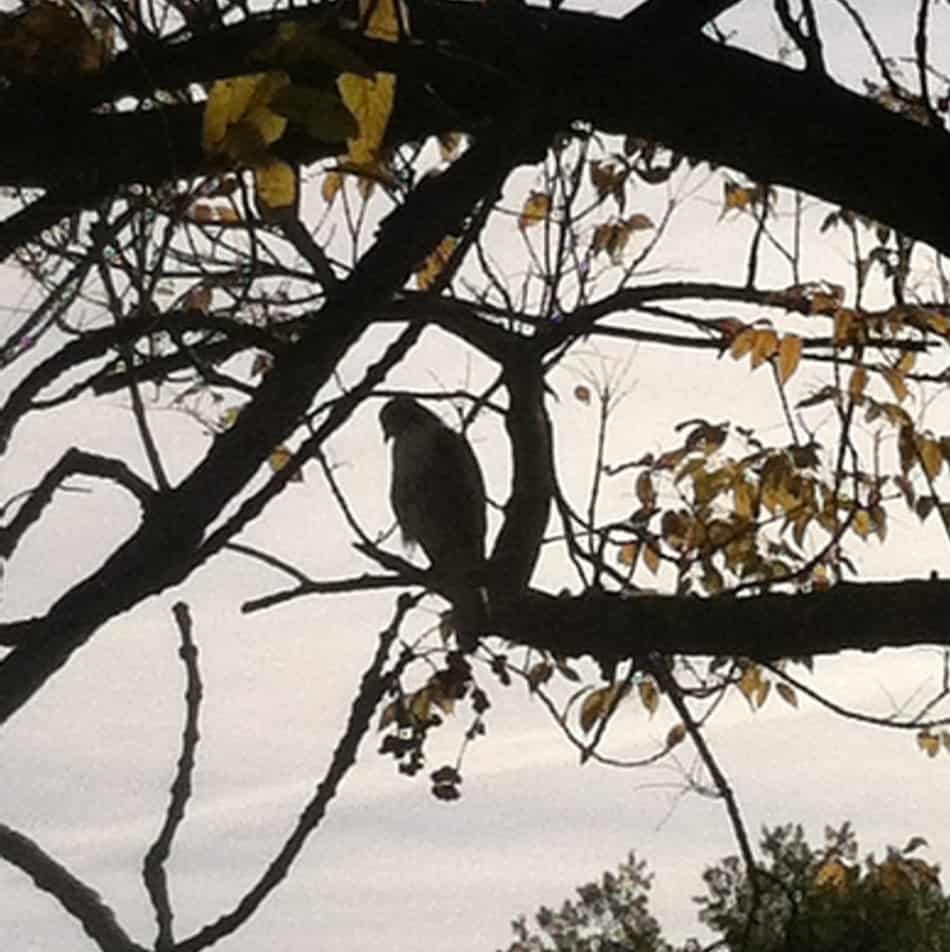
<point>438,496</point>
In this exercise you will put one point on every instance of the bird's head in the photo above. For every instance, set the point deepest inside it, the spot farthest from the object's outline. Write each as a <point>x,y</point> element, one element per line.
<point>400,413</point>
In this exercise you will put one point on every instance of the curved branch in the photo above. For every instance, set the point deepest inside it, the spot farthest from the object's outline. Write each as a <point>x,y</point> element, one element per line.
<point>78,899</point>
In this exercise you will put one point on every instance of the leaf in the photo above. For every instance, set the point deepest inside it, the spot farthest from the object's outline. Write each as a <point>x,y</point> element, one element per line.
<point>388,715</point>
<point>628,553</point>
<point>895,380</point>
<point>649,695</point>
<point>539,674</point>
<point>789,355</point>
<point>861,524</point>
<point>594,707</point>
<point>370,101</point>
<point>384,20</point>
<point>930,456</point>
<point>676,735</point>
<point>321,113</point>
<point>332,182</point>
<point>832,875</point>
<point>859,380</point>
<point>742,343</point>
<point>764,345</point>
<point>651,558</point>
<point>279,458</point>
<point>275,185</point>
<point>639,222</point>
<point>433,266</point>
<point>787,694</point>
<point>237,119</point>
<point>50,41</point>
<point>928,743</point>
<point>536,208</point>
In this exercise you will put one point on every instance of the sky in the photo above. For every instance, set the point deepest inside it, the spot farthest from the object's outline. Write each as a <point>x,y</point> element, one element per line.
<point>88,762</point>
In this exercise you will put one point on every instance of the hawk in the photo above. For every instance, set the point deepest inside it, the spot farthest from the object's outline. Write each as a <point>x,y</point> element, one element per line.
<point>437,494</point>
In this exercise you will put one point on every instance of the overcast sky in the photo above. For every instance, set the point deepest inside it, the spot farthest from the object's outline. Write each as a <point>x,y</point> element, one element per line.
<point>88,762</point>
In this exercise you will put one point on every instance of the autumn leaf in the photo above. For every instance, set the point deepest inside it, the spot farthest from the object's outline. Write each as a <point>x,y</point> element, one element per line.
<point>332,182</point>
<point>930,456</point>
<point>789,355</point>
<point>275,185</point>
<point>742,343</point>
<point>649,695</point>
<point>928,743</point>
<point>895,380</point>
<point>787,694</point>
<point>764,345</point>
<point>651,558</point>
<point>859,380</point>
<point>536,208</point>
<point>279,458</point>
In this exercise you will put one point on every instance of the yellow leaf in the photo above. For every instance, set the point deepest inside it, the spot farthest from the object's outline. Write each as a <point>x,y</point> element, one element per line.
<point>332,182</point>
<point>275,185</point>
<point>861,523</point>
<point>228,416</point>
<point>371,103</point>
<point>279,458</point>
<point>628,553</point>
<point>895,380</point>
<point>906,364</point>
<point>928,743</point>
<point>649,695</point>
<point>742,499</point>
<point>384,20</point>
<point>651,558</point>
<point>742,343</point>
<point>832,875</point>
<point>435,263</point>
<point>764,345</point>
<point>930,456</point>
<point>536,208</point>
<point>751,684</point>
<point>859,380</point>
<point>789,355</point>
<point>237,119</point>
<point>594,707</point>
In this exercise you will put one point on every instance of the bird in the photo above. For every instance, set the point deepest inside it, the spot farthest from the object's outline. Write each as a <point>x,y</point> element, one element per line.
<point>437,493</point>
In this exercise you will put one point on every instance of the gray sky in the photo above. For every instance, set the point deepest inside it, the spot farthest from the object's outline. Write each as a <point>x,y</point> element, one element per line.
<point>88,763</point>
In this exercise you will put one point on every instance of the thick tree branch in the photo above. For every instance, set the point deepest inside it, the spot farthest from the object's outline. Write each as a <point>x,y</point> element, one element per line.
<point>849,616</point>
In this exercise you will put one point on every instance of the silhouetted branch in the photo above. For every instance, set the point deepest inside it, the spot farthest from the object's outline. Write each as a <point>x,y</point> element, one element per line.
<point>78,899</point>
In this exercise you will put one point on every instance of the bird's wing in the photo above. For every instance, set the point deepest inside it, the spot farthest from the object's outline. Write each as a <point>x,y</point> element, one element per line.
<point>438,495</point>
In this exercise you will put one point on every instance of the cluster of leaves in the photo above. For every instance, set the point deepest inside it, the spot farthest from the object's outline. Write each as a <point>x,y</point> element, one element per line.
<point>609,915</point>
<point>245,116</point>
<point>825,899</point>
<point>732,514</point>
<point>413,713</point>
<point>820,899</point>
